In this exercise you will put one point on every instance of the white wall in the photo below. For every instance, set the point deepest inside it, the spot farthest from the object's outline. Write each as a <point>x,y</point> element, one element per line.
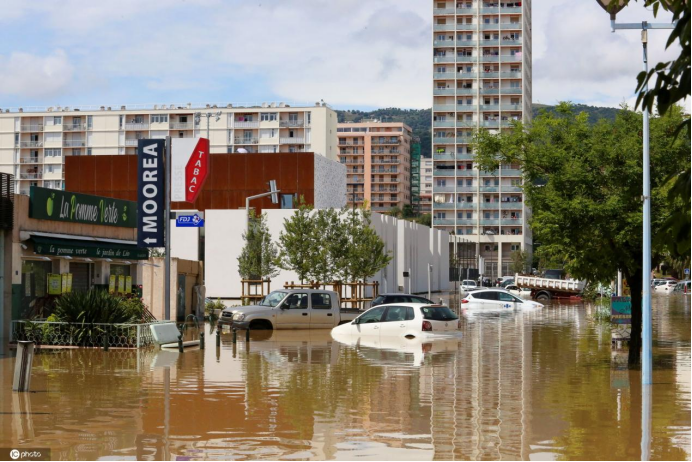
<point>412,245</point>
<point>184,243</point>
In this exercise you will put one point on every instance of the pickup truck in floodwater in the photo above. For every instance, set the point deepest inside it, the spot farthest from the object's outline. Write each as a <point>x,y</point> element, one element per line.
<point>290,309</point>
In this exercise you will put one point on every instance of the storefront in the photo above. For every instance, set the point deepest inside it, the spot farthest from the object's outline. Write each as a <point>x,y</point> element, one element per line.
<point>63,241</point>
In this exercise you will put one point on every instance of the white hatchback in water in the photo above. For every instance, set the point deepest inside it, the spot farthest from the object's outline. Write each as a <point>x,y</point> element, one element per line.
<point>402,320</point>
<point>497,300</point>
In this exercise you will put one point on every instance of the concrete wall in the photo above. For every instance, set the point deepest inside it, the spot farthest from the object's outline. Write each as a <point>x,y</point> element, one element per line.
<point>185,241</point>
<point>412,246</point>
<point>153,282</point>
<point>329,183</point>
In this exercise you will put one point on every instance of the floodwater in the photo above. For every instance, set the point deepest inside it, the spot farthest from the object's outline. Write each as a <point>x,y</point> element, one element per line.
<point>539,385</point>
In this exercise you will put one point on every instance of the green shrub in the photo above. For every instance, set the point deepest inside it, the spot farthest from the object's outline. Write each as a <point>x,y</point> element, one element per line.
<point>134,306</point>
<point>94,306</point>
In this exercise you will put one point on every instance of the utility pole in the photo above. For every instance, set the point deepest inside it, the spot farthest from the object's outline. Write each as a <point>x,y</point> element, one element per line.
<point>167,228</point>
<point>208,115</point>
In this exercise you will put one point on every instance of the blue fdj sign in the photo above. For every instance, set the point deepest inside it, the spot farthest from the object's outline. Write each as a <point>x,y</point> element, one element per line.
<point>189,221</point>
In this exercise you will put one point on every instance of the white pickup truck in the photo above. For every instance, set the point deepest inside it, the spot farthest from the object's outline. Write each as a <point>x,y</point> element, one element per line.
<point>544,289</point>
<point>290,309</point>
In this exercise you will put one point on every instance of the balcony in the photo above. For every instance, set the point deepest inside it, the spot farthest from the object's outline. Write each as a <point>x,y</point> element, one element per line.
<point>444,107</point>
<point>131,142</point>
<point>490,59</point>
<point>386,180</point>
<point>385,141</point>
<point>444,27</point>
<point>466,91</point>
<point>137,126</point>
<point>489,221</point>
<point>74,143</point>
<point>511,107</point>
<point>512,205</point>
<point>507,42</point>
<point>511,25</point>
<point>241,124</point>
<point>291,140</point>
<point>490,206</point>
<point>386,161</point>
<point>466,123</point>
<point>511,58</point>
<point>488,189</point>
<point>511,91</point>
<point>443,206</point>
<point>31,144</point>
<point>30,176</point>
<point>466,26</point>
<point>490,10</point>
<point>32,128</point>
<point>385,190</point>
<point>466,59</point>
<point>490,75</point>
<point>490,91</point>
<point>291,123</point>
<point>443,59</point>
<point>485,26</point>
<point>510,172</point>
<point>467,189</point>
<point>30,160</point>
<point>384,152</point>
<point>354,161</point>
<point>443,91</point>
<point>384,170</point>
<point>490,107</point>
<point>444,43</point>
<point>443,123</point>
<point>245,141</point>
<point>443,140</point>
<point>464,140</point>
<point>490,123</point>
<point>73,127</point>
<point>517,189</point>
<point>512,221</point>
<point>438,11</point>
<point>444,75</point>
<point>445,156</point>
<point>181,126</point>
<point>443,222</point>
<point>511,10</point>
<point>490,43</point>
<point>511,75</point>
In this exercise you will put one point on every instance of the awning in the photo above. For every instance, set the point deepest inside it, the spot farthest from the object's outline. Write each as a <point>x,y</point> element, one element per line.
<point>78,248</point>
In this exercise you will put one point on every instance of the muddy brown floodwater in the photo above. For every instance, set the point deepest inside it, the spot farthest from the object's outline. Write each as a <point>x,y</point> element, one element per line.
<point>539,385</point>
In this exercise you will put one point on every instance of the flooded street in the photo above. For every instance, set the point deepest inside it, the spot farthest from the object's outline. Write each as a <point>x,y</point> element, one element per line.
<point>540,385</point>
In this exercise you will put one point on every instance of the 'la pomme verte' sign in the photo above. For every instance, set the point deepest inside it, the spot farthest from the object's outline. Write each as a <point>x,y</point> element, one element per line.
<point>58,205</point>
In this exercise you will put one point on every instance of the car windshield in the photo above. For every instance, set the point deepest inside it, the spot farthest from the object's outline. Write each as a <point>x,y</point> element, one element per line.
<point>438,313</point>
<point>469,283</point>
<point>273,299</point>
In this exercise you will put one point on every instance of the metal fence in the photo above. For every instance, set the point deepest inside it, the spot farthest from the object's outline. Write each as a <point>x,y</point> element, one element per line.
<point>49,333</point>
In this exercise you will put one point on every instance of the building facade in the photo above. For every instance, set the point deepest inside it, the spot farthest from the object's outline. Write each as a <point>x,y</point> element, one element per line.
<point>377,156</point>
<point>481,80</point>
<point>35,142</point>
<point>426,185</point>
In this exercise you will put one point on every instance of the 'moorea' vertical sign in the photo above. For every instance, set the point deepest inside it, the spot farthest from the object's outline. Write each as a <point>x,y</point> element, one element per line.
<point>150,193</point>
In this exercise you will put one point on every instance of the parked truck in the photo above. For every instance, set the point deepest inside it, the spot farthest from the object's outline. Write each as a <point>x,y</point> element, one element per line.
<point>545,289</point>
<point>290,309</point>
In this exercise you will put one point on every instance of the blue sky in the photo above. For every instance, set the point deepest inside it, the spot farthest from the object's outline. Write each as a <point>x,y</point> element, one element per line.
<point>351,53</point>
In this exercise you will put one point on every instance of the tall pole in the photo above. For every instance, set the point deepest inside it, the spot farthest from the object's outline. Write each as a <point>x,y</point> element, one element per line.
<point>646,256</point>
<point>167,227</point>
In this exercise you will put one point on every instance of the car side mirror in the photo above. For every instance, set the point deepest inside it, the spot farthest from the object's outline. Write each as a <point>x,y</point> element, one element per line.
<point>283,306</point>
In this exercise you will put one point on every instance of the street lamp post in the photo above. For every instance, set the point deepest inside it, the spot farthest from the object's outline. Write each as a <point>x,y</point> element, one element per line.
<point>208,115</point>
<point>613,7</point>
<point>490,232</point>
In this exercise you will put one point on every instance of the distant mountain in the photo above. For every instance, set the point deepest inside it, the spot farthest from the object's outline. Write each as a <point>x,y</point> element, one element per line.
<point>420,119</point>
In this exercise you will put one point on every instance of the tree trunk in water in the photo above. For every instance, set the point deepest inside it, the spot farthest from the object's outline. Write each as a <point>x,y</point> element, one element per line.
<point>635,282</point>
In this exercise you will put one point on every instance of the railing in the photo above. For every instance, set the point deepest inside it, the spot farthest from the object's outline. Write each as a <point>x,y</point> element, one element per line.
<point>67,127</point>
<point>490,58</point>
<point>490,206</point>
<point>511,205</point>
<point>510,172</point>
<point>241,124</point>
<point>443,221</point>
<point>445,156</point>
<point>466,26</point>
<point>74,143</point>
<point>489,188</point>
<point>137,126</point>
<point>545,283</point>
<point>443,11</point>
<point>83,335</point>
<point>512,221</point>
<point>181,125</point>
<point>134,142</point>
<point>291,123</point>
<point>245,141</point>
<point>443,27</point>
<point>443,206</point>
<point>291,140</point>
<point>511,91</point>
<point>511,188</point>
<point>443,123</point>
<point>31,176</point>
<point>443,91</point>
<point>385,161</point>
<point>444,107</point>
<point>443,140</point>
<point>385,170</point>
<point>30,144</point>
<point>385,152</point>
<point>32,128</point>
<point>489,43</point>
<point>385,141</point>
<point>354,161</point>
<point>30,160</point>
<point>385,190</point>
<point>511,107</point>
<point>490,107</point>
<point>391,180</point>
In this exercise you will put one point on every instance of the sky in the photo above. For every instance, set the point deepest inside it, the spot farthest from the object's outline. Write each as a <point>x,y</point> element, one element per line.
<point>350,53</point>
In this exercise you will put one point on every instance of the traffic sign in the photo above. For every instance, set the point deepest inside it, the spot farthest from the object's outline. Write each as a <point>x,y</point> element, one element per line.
<point>687,271</point>
<point>150,193</point>
<point>189,221</point>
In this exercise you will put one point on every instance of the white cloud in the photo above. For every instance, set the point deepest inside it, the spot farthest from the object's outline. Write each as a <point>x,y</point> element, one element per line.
<point>34,76</point>
<point>347,52</point>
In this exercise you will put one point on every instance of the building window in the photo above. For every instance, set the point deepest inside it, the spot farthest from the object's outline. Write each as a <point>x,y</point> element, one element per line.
<point>287,201</point>
<point>57,120</point>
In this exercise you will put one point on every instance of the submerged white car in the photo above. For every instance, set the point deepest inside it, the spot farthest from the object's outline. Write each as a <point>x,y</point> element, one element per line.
<point>496,299</point>
<point>521,292</point>
<point>402,320</point>
<point>665,287</point>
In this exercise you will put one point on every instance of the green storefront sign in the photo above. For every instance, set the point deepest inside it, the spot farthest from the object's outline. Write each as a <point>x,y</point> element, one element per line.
<point>85,249</point>
<point>65,206</point>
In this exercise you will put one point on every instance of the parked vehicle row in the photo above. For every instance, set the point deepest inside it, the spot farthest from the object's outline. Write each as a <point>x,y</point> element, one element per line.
<point>496,299</point>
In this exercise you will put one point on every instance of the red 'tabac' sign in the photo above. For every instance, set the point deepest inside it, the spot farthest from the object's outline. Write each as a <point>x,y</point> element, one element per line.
<point>197,170</point>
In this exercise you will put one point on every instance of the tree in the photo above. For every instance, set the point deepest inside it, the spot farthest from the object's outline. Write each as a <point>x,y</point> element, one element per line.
<point>425,219</point>
<point>407,211</point>
<point>331,243</point>
<point>366,253</point>
<point>257,260</point>
<point>296,242</point>
<point>520,259</point>
<point>583,183</point>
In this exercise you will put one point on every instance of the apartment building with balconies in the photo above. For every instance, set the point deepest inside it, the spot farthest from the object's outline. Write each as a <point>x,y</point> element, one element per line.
<point>35,141</point>
<point>377,156</point>
<point>481,80</point>
<point>426,185</point>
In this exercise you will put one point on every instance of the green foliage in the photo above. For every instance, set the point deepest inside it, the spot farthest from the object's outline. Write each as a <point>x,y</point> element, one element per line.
<point>257,260</point>
<point>672,83</point>
<point>425,219</point>
<point>519,263</point>
<point>327,245</point>
<point>95,306</point>
<point>583,184</point>
<point>133,306</point>
<point>297,250</point>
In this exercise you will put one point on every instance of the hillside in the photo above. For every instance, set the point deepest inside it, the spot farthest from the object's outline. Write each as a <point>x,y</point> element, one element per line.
<point>420,119</point>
